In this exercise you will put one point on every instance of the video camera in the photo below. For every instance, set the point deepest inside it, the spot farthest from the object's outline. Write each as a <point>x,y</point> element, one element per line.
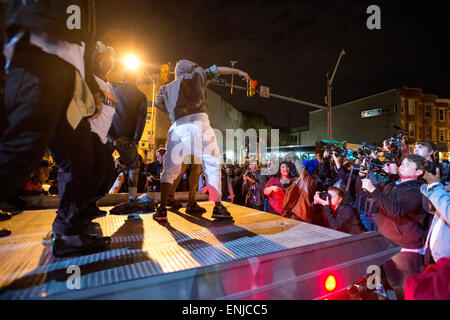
<point>334,148</point>
<point>444,169</point>
<point>363,152</point>
<point>396,140</point>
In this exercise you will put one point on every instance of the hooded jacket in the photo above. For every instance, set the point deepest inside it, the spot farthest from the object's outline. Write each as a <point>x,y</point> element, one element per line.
<point>187,93</point>
<point>401,217</point>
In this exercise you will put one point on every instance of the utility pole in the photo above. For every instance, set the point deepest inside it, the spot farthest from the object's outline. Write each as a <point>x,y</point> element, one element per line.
<point>232,75</point>
<point>329,88</point>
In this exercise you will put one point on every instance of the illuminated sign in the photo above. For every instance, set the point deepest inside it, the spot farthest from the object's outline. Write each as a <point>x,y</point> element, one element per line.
<point>376,112</point>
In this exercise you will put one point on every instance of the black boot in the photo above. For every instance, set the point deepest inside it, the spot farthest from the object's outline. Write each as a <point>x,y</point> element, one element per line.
<point>161,214</point>
<point>220,212</point>
<point>195,209</point>
<point>80,244</point>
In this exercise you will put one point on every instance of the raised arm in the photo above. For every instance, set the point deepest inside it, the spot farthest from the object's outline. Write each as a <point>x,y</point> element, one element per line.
<point>228,71</point>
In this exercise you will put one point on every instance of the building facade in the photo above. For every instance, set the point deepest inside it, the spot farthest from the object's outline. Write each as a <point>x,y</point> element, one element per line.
<point>370,119</point>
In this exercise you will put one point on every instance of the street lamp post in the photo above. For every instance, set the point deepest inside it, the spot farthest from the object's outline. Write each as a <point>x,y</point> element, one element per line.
<point>153,101</point>
<point>232,76</point>
<point>329,88</point>
<point>133,63</point>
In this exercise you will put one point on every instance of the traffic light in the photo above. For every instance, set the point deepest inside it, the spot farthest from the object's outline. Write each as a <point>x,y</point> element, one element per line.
<point>164,73</point>
<point>251,88</point>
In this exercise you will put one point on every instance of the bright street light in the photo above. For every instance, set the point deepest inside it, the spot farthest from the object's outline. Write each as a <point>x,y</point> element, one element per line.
<point>131,62</point>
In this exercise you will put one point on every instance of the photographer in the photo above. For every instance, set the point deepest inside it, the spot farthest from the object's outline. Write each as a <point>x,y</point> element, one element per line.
<point>346,178</point>
<point>253,187</point>
<point>237,183</point>
<point>339,216</point>
<point>154,170</point>
<point>327,173</point>
<point>227,186</point>
<point>402,219</point>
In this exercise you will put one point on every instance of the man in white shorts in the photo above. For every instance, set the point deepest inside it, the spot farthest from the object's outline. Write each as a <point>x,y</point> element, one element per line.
<point>191,137</point>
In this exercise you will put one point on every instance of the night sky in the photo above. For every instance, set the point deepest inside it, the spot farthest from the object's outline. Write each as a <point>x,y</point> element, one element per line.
<point>290,46</point>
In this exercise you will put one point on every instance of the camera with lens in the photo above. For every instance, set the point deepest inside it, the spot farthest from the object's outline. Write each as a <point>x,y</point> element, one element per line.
<point>364,151</point>
<point>395,141</point>
<point>250,175</point>
<point>444,169</point>
<point>324,195</point>
<point>334,148</point>
<point>338,151</point>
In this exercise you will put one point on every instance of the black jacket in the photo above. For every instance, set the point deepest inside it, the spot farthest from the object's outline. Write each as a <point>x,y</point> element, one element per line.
<point>327,173</point>
<point>344,219</point>
<point>254,193</point>
<point>129,120</point>
<point>50,16</point>
<point>401,217</point>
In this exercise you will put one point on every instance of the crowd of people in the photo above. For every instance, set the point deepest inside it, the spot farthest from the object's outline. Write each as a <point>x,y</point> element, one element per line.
<point>404,197</point>
<point>58,98</point>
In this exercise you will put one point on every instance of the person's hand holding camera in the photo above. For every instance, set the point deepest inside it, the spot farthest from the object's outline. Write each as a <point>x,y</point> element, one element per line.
<point>386,147</point>
<point>319,200</point>
<point>336,159</point>
<point>431,178</point>
<point>390,168</point>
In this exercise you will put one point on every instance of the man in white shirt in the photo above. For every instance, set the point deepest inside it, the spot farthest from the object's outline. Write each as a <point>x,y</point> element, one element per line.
<point>103,170</point>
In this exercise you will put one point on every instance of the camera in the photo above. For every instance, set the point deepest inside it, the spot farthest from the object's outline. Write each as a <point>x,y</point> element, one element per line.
<point>444,169</point>
<point>395,142</point>
<point>334,148</point>
<point>364,152</point>
<point>324,195</point>
<point>250,175</point>
<point>340,152</point>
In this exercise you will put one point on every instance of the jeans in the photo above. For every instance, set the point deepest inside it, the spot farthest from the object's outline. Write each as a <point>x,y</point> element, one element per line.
<point>368,222</point>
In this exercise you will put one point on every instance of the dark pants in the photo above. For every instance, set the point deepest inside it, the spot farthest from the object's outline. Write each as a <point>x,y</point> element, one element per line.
<point>401,266</point>
<point>38,90</point>
<point>103,171</point>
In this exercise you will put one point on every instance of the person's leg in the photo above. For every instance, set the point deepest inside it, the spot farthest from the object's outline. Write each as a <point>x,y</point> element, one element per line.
<point>174,186</point>
<point>37,93</point>
<point>172,168</point>
<point>210,161</point>
<point>102,174</point>
<point>194,176</point>
<point>73,152</point>
<point>401,266</point>
<point>129,154</point>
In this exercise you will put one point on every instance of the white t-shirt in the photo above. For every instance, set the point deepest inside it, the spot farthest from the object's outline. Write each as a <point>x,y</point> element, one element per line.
<point>102,124</point>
